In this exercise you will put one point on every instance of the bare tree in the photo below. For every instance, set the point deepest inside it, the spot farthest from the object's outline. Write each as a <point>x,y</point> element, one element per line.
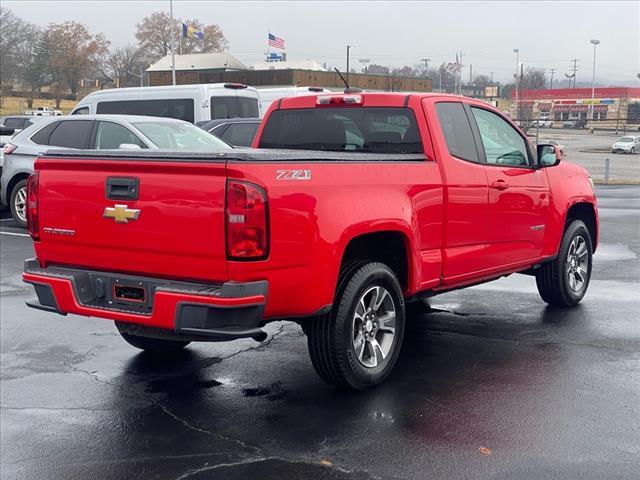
<point>10,25</point>
<point>122,66</point>
<point>73,52</point>
<point>376,69</point>
<point>154,36</point>
<point>534,79</point>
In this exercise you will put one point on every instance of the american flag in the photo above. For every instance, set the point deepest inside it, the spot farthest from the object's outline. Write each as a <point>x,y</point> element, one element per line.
<point>276,42</point>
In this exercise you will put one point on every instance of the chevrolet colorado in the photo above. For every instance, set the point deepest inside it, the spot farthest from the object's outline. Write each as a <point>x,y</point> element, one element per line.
<point>404,196</point>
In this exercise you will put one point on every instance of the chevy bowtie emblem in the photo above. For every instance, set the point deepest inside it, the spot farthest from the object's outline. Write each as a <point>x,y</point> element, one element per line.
<point>121,214</point>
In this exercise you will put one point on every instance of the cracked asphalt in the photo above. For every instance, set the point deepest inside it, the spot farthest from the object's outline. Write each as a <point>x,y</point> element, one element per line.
<point>491,384</point>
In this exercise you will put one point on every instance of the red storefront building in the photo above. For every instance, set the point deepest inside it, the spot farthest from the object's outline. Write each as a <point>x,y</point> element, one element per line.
<point>610,104</point>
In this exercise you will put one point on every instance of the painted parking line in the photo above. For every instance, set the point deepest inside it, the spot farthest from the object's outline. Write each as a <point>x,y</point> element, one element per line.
<point>15,234</point>
<point>6,220</point>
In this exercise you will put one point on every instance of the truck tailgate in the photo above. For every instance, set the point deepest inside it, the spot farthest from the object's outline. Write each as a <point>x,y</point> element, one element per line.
<point>171,227</point>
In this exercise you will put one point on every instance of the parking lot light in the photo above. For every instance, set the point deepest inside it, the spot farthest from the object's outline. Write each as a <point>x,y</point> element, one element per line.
<point>593,79</point>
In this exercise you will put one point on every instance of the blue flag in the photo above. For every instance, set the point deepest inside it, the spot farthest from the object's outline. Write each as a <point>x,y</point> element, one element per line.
<point>189,32</point>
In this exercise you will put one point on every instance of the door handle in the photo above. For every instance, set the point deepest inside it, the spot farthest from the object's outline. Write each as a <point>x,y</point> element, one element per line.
<point>499,185</point>
<point>122,188</point>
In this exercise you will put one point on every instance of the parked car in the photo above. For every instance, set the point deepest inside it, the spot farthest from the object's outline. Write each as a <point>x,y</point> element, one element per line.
<point>412,195</point>
<point>98,132</point>
<point>237,132</point>
<point>629,144</point>
<point>543,123</point>
<point>192,103</point>
<point>558,146</point>
<point>18,122</point>
<point>44,112</point>
<point>574,124</point>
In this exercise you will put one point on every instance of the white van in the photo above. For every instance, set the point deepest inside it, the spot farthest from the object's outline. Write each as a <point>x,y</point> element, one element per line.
<point>193,103</point>
<point>268,95</point>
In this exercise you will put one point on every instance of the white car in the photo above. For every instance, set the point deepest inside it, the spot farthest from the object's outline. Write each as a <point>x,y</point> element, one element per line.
<point>626,145</point>
<point>44,112</point>
<point>543,123</point>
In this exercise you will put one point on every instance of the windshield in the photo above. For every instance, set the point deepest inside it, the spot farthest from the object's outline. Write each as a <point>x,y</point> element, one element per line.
<point>180,136</point>
<point>350,129</point>
<point>626,140</point>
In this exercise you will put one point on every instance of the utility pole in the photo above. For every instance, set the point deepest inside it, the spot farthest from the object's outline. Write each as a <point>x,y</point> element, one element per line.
<point>515,76</point>
<point>595,43</point>
<point>574,69</point>
<point>173,43</point>
<point>551,71</point>
<point>470,73</point>
<point>491,76</point>
<point>461,72</point>
<point>348,48</point>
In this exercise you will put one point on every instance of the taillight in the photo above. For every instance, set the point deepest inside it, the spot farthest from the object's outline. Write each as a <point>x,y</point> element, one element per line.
<point>33,219</point>
<point>9,148</point>
<point>246,221</point>
<point>339,100</point>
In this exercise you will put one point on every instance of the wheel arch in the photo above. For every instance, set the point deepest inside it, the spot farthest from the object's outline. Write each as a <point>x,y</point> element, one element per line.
<point>586,212</point>
<point>391,246</point>
<point>12,183</point>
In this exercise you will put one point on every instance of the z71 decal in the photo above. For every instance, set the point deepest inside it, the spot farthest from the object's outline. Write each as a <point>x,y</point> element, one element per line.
<point>293,174</point>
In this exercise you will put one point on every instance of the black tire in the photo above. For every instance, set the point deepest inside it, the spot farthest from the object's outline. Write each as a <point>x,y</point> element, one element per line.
<point>553,279</point>
<point>151,344</point>
<point>331,337</point>
<point>21,220</point>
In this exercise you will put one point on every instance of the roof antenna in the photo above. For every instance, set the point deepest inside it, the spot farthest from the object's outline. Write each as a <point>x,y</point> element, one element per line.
<point>348,89</point>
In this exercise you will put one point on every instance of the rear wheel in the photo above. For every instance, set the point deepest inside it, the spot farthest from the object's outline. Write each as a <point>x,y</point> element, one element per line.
<point>357,345</point>
<point>564,281</point>
<point>150,344</point>
<point>18,203</point>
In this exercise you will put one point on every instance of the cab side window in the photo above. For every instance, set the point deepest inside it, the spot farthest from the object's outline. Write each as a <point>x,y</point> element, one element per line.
<point>503,145</point>
<point>457,130</point>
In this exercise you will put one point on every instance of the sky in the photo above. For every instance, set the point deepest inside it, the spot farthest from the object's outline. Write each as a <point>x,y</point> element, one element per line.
<point>547,34</point>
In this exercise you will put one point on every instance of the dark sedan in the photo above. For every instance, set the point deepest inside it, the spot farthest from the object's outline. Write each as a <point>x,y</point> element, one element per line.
<point>238,132</point>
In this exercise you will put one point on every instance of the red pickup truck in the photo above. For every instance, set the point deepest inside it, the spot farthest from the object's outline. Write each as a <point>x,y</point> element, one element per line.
<point>404,196</point>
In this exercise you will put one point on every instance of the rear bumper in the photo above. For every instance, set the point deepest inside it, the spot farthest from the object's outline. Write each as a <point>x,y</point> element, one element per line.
<point>223,311</point>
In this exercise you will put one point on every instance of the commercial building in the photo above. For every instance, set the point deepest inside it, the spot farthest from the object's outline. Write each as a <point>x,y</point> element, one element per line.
<point>610,104</point>
<point>223,67</point>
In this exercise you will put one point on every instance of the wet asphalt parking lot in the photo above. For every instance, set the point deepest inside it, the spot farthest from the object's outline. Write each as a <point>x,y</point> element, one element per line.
<point>491,384</point>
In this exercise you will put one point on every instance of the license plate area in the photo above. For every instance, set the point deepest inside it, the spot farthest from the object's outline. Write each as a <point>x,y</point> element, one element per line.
<point>129,293</point>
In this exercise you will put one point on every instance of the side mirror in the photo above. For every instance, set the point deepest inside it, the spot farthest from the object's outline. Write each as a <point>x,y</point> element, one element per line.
<point>129,146</point>
<point>6,131</point>
<point>548,155</point>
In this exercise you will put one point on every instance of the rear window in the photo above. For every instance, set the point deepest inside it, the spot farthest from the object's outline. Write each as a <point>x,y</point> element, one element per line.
<point>234,107</point>
<point>181,109</point>
<point>240,134</point>
<point>13,122</point>
<point>348,129</point>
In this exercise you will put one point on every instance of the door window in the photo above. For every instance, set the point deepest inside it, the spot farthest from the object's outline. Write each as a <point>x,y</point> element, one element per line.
<point>111,135</point>
<point>457,130</point>
<point>81,111</point>
<point>72,134</point>
<point>503,145</point>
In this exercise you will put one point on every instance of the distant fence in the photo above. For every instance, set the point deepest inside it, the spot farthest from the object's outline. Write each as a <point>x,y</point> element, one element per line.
<point>594,144</point>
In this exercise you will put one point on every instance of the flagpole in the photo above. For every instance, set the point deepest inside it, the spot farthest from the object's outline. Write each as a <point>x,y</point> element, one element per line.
<point>268,47</point>
<point>173,45</point>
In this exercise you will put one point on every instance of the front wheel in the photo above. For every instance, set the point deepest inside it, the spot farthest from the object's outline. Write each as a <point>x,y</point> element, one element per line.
<point>358,343</point>
<point>564,281</point>
<point>18,203</point>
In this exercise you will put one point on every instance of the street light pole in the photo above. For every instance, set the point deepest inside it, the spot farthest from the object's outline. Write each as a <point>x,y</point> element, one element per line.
<point>517,52</point>
<point>348,47</point>
<point>173,54</point>
<point>593,78</point>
